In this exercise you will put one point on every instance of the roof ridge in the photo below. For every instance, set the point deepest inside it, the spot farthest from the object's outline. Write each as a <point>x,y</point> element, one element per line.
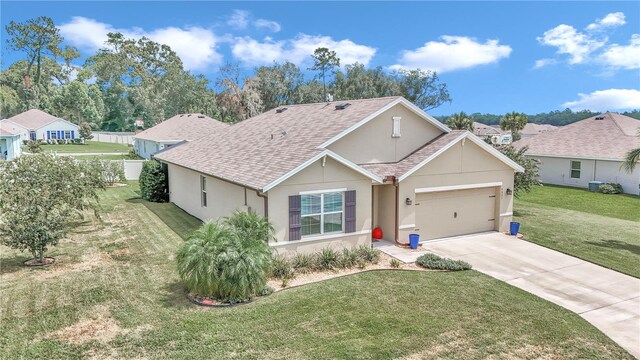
<point>338,101</point>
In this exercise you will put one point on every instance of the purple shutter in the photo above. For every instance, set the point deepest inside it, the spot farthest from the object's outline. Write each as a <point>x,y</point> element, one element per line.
<point>350,211</point>
<point>294,217</point>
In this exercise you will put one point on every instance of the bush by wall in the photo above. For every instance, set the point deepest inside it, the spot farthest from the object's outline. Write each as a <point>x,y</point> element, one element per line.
<point>611,188</point>
<point>153,183</point>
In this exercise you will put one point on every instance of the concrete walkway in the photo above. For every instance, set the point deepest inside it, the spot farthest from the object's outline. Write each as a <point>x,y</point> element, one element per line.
<point>607,299</point>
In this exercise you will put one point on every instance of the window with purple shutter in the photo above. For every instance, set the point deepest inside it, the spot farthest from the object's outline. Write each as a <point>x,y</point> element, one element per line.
<point>294,217</point>
<point>350,211</point>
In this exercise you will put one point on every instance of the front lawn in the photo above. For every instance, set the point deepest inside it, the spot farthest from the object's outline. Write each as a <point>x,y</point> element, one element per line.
<point>114,292</point>
<point>88,147</point>
<point>595,227</point>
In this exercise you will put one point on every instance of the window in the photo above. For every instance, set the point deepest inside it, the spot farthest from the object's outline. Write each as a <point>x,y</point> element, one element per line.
<point>144,145</point>
<point>67,134</point>
<point>396,126</point>
<point>203,191</point>
<point>575,169</point>
<point>32,135</point>
<point>321,213</point>
<point>54,135</point>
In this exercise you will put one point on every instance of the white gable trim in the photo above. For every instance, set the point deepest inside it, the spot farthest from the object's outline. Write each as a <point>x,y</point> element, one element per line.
<point>476,140</point>
<point>319,156</point>
<point>400,100</point>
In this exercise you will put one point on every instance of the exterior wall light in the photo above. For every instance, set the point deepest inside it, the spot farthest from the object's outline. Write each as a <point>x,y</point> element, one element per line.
<point>408,201</point>
<point>509,192</point>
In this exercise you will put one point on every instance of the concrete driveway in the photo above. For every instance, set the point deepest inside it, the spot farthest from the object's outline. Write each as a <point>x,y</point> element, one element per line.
<point>607,299</point>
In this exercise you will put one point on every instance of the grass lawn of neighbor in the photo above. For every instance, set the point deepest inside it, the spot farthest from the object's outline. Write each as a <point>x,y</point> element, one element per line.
<point>88,147</point>
<point>105,157</point>
<point>114,292</point>
<point>601,228</point>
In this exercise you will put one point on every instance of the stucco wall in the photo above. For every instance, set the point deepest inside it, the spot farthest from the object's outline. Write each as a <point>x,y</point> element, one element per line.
<point>557,171</point>
<point>375,137</point>
<point>384,210</point>
<point>223,198</point>
<point>151,148</point>
<point>316,178</point>
<point>11,145</point>
<point>459,165</point>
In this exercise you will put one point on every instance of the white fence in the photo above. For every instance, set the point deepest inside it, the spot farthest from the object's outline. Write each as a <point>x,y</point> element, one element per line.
<point>132,168</point>
<point>125,138</point>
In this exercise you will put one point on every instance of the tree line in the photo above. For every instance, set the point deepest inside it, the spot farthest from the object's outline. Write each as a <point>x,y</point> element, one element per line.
<point>131,79</point>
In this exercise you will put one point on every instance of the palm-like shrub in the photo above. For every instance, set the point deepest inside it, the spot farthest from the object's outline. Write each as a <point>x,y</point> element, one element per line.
<point>229,261</point>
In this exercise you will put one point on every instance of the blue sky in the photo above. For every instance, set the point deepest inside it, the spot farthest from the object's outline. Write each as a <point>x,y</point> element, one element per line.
<point>495,56</point>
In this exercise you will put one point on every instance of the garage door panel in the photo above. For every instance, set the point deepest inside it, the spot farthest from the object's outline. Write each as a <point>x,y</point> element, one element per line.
<point>451,213</point>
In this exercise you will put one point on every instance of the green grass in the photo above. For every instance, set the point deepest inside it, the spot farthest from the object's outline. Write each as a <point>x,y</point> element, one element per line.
<point>89,147</point>
<point>104,157</point>
<point>619,206</point>
<point>599,228</point>
<point>114,292</point>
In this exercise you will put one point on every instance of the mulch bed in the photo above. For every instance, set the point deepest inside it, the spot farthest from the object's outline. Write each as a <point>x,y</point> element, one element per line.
<point>205,301</point>
<point>36,262</point>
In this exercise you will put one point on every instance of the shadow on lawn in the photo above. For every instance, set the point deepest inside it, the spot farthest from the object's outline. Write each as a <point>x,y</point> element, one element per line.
<point>175,295</point>
<point>13,264</point>
<point>616,244</point>
<point>181,222</point>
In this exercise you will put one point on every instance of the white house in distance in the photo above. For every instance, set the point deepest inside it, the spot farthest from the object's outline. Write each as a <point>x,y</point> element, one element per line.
<point>9,143</point>
<point>491,133</point>
<point>36,124</point>
<point>588,150</point>
<point>174,130</point>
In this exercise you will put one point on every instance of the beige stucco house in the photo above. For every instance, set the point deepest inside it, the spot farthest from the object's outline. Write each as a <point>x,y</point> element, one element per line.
<point>174,130</point>
<point>326,174</point>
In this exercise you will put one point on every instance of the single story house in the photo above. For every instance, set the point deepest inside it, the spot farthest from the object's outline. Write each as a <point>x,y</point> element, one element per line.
<point>491,134</point>
<point>174,130</point>
<point>588,150</point>
<point>36,124</point>
<point>532,129</point>
<point>327,174</point>
<point>10,147</point>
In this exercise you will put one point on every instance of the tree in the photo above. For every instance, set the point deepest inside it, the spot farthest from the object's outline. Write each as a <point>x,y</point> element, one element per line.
<point>324,60</point>
<point>239,99</point>
<point>514,122</point>
<point>460,121</point>
<point>631,159</point>
<point>153,182</point>
<point>279,84</point>
<point>40,197</point>
<point>423,88</point>
<point>36,38</point>
<point>86,132</point>
<point>523,182</point>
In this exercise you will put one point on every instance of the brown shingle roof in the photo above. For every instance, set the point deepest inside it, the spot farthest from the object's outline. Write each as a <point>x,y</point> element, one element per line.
<point>412,160</point>
<point>481,129</point>
<point>259,150</point>
<point>609,138</point>
<point>535,129</point>
<point>182,127</point>
<point>33,119</point>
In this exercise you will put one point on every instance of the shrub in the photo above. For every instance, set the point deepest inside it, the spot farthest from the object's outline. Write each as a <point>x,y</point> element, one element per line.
<point>327,259</point>
<point>248,224</point>
<point>368,254</point>
<point>610,188</point>
<point>153,182</point>
<point>281,267</point>
<point>267,290</point>
<point>78,141</point>
<point>303,263</point>
<point>33,147</point>
<point>348,259</point>
<point>132,154</point>
<point>86,131</point>
<point>435,262</point>
<point>394,263</point>
<point>215,262</point>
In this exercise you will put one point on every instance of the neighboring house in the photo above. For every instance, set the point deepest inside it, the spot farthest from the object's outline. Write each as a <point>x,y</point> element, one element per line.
<point>532,129</point>
<point>36,124</point>
<point>588,150</point>
<point>10,147</point>
<point>326,174</point>
<point>174,130</point>
<point>491,134</point>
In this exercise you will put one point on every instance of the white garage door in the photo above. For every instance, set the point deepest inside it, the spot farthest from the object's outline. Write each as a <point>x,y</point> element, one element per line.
<point>450,213</point>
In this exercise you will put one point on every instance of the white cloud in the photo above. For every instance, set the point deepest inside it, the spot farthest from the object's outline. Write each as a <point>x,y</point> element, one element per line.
<point>626,57</point>
<point>571,42</point>
<point>196,46</point>
<point>267,24</point>
<point>452,53</point>
<point>544,62</point>
<point>239,19</point>
<point>611,20</point>
<point>602,100</point>
<point>298,50</point>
